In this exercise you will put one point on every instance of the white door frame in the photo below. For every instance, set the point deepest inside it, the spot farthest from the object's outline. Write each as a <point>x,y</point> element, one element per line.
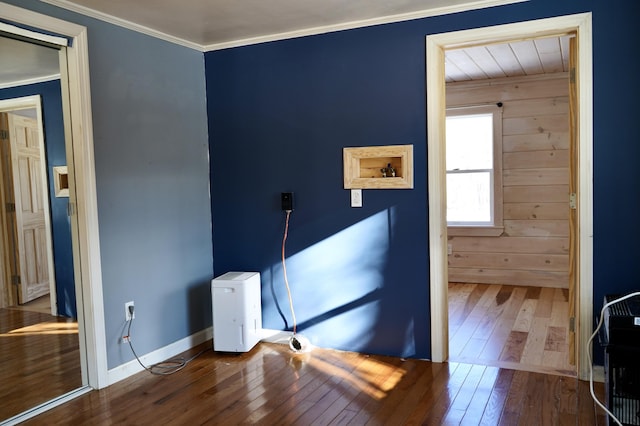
<point>82,191</point>
<point>436,44</point>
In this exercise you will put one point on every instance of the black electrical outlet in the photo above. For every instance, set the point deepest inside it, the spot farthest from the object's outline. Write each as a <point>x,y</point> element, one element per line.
<point>287,201</point>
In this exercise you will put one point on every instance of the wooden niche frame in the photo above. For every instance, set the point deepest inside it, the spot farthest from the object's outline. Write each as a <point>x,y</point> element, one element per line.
<point>363,167</point>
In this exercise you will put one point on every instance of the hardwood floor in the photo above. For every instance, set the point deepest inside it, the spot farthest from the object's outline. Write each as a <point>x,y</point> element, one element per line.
<point>272,386</point>
<point>41,304</point>
<point>523,328</point>
<point>39,359</point>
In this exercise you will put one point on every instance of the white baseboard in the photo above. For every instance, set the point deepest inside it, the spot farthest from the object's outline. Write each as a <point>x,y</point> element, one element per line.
<point>132,367</point>
<point>275,336</point>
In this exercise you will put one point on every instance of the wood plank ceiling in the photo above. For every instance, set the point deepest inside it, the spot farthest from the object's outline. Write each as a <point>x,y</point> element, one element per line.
<point>529,57</point>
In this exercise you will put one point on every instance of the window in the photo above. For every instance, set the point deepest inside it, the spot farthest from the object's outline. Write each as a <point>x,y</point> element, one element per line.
<point>474,170</point>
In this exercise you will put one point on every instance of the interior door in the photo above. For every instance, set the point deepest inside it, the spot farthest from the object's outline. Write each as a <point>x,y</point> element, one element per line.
<point>32,256</point>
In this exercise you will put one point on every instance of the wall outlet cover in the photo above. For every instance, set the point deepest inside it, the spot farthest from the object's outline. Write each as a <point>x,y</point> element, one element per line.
<point>287,201</point>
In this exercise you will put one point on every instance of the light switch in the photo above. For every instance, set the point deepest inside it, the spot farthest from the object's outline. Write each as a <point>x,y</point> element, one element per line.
<point>356,198</point>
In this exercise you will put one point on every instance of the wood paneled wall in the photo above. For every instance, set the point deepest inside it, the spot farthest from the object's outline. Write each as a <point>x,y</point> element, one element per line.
<point>534,247</point>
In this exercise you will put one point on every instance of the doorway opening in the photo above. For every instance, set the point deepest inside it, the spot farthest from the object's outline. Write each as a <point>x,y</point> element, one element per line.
<point>74,79</point>
<point>438,235</point>
<point>508,139</point>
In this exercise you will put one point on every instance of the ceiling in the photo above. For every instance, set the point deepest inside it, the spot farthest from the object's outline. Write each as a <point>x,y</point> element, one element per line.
<point>29,63</point>
<point>529,57</point>
<point>215,24</point>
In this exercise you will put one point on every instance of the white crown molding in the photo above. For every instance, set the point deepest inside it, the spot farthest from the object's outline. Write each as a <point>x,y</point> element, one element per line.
<point>30,81</point>
<point>446,10</point>
<point>472,5</point>
<point>92,13</point>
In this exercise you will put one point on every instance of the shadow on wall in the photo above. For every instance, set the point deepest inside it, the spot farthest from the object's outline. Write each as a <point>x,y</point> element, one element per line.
<point>343,294</point>
<point>200,310</point>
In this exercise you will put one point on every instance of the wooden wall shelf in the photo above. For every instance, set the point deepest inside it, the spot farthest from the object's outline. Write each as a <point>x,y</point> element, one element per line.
<point>362,167</point>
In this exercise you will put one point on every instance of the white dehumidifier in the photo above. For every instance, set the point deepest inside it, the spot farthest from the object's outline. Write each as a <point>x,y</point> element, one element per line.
<point>237,312</point>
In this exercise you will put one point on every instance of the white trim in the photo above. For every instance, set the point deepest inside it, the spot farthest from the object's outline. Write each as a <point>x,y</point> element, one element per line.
<point>275,336</point>
<point>436,44</point>
<point>28,81</point>
<point>23,102</point>
<point>23,32</point>
<point>445,10</point>
<point>24,416</point>
<point>132,367</point>
<point>105,17</point>
<point>86,240</point>
<point>436,183</point>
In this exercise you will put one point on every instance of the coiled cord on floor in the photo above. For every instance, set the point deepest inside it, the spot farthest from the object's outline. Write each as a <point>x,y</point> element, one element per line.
<point>163,368</point>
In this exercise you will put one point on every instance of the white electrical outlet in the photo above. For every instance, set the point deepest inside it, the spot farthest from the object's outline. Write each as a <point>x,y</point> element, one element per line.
<point>449,248</point>
<point>356,198</point>
<point>128,316</point>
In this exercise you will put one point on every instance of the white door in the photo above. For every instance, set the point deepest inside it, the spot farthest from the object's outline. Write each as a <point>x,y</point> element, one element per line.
<point>33,257</point>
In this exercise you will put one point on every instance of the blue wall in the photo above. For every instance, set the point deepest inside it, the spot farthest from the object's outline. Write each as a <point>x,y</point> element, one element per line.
<point>280,114</point>
<point>152,179</point>
<point>55,151</point>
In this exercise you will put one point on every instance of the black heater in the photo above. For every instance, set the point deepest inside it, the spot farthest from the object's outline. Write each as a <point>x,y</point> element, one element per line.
<point>621,338</point>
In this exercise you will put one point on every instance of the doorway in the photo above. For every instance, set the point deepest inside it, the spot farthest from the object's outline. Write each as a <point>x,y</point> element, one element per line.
<point>508,121</point>
<point>74,72</point>
<point>436,45</point>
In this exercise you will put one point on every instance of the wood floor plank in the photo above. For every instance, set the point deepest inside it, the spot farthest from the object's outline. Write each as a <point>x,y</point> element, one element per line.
<point>497,399</point>
<point>533,293</point>
<point>515,399</point>
<point>404,405</point>
<point>545,303</point>
<point>420,412</point>
<point>366,403</point>
<point>525,315</point>
<point>490,295</point>
<point>442,404</point>
<point>534,347</point>
<point>463,335</point>
<point>495,343</point>
<point>514,346</point>
<point>462,400</point>
<point>487,323</point>
<point>556,339</point>
<point>514,304</point>
<point>474,297</point>
<point>533,402</point>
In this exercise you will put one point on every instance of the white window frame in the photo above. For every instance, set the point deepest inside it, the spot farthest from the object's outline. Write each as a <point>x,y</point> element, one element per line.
<point>496,227</point>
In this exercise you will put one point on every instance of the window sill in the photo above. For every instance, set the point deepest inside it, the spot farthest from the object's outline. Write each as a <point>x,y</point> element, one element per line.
<point>475,231</point>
